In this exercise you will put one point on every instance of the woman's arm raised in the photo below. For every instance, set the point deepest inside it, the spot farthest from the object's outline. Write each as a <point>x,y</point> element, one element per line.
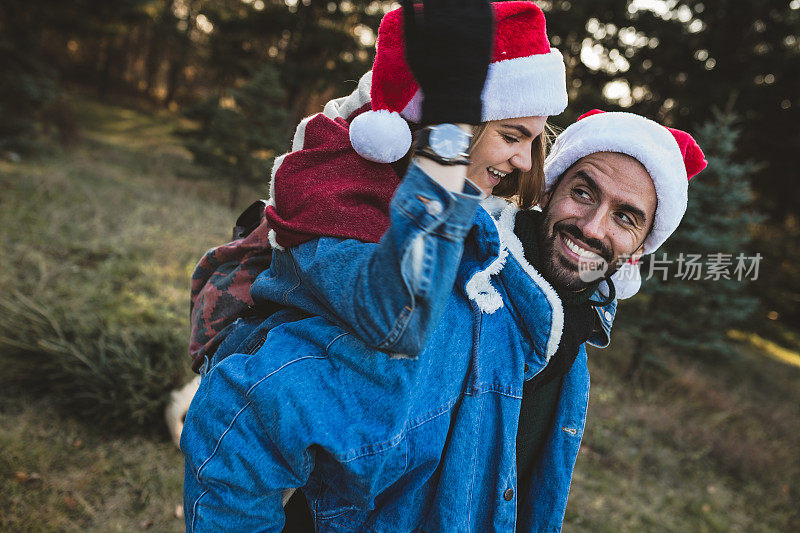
<point>391,294</point>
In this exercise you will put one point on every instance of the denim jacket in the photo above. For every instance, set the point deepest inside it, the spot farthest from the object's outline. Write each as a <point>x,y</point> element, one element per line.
<point>393,399</point>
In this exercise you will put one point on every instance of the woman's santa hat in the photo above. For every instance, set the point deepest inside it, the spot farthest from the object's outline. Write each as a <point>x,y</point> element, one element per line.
<point>526,78</point>
<point>671,157</point>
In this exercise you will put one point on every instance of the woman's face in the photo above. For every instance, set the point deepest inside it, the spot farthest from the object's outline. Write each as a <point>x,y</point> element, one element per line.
<point>505,147</point>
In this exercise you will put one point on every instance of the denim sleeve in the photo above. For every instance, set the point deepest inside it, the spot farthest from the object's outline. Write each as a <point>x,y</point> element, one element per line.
<point>235,472</point>
<point>392,293</point>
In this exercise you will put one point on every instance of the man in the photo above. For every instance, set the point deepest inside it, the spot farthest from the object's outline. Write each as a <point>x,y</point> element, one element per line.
<point>616,189</point>
<point>620,168</point>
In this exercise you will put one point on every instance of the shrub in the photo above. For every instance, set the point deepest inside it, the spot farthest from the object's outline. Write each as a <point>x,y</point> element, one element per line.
<point>118,377</point>
<point>240,133</point>
<point>96,248</point>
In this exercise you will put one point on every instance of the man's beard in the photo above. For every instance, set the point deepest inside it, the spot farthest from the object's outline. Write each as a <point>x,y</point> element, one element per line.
<point>558,270</point>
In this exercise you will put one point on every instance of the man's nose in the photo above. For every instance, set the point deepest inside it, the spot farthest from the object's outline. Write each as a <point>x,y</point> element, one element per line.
<point>593,225</point>
<point>522,158</point>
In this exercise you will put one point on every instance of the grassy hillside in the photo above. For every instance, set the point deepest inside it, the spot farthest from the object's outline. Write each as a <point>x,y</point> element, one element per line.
<point>61,474</point>
<point>98,242</point>
<point>701,446</point>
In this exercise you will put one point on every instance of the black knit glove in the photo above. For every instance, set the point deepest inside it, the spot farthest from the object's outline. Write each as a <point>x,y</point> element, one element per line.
<point>449,47</point>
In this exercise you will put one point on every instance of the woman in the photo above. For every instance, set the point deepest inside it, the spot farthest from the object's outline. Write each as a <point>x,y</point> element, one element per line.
<point>390,390</point>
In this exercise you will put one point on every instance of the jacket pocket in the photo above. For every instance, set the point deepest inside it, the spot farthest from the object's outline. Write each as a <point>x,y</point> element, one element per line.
<point>351,486</point>
<point>328,505</point>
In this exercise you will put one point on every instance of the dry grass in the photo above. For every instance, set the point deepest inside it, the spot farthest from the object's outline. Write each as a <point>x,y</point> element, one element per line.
<point>98,244</point>
<point>60,474</point>
<point>712,447</point>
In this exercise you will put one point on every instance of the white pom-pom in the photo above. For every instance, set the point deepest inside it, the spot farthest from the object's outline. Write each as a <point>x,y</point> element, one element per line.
<point>382,136</point>
<point>627,280</point>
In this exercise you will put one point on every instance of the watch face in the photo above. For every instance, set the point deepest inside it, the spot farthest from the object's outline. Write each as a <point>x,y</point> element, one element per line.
<point>449,141</point>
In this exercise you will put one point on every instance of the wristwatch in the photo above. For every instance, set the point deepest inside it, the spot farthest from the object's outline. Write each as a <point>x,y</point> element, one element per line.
<point>447,144</point>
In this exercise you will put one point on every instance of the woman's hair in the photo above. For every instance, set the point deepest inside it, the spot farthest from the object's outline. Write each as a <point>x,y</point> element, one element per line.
<point>524,188</point>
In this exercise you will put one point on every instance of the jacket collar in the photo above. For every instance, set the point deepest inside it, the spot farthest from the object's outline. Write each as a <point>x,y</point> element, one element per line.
<point>541,293</point>
<point>494,243</point>
<point>493,239</point>
<point>602,338</point>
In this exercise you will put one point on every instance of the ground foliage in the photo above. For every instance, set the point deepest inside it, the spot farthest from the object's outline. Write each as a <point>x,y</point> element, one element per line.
<point>95,265</point>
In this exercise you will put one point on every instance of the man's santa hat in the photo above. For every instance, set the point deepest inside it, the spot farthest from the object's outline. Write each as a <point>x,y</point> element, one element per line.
<point>526,78</point>
<point>671,157</point>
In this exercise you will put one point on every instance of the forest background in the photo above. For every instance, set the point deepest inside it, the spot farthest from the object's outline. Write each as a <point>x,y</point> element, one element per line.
<point>133,132</point>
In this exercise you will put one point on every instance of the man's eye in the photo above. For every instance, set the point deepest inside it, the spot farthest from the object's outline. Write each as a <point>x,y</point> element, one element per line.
<point>625,219</point>
<point>581,193</point>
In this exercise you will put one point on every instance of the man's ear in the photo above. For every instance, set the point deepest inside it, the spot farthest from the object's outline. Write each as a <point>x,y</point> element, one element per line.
<point>637,255</point>
<point>546,197</point>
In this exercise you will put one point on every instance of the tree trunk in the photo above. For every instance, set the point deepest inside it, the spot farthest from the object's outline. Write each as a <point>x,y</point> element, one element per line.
<point>152,59</point>
<point>175,69</point>
<point>177,66</point>
<point>104,83</point>
<point>233,198</point>
<point>297,96</point>
<point>157,43</point>
<point>635,364</point>
<point>297,111</point>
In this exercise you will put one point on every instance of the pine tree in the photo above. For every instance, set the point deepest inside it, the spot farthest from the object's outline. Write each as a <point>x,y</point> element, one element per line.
<point>694,315</point>
<point>241,132</point>
<point>27,84</point>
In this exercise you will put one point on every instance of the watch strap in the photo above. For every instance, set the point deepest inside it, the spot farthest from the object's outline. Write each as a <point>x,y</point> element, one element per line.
<point>430,154</point>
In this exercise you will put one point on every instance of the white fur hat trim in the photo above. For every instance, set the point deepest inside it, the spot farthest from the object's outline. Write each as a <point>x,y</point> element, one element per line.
<point>530,86</point>
<point>381,136</point>
<point>627,280</point>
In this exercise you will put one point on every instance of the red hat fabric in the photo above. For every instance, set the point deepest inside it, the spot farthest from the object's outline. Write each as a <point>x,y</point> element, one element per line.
<point>693,156</point>
<point>526,78</point>
<point>323,187</point>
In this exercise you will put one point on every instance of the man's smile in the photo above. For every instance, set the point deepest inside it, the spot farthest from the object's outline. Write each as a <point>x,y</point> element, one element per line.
<point>579,250</point>
<point>576,252</point>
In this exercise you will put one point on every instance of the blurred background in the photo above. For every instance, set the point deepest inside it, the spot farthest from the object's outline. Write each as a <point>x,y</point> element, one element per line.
<point>133,132</point>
